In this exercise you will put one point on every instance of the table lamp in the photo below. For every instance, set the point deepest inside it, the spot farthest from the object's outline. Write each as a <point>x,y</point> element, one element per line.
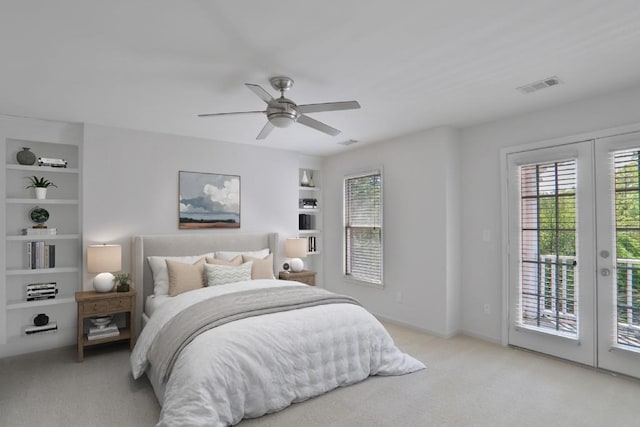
<point>296,248</point>
<point>103,259</point>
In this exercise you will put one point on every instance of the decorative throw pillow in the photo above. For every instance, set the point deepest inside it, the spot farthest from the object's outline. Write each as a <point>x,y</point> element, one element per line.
<point>223,274</point>
<point>229,255</point>
<point>158,267</point>
<point>236,261</point>
<point>185,277</point>
<point>262,267</point>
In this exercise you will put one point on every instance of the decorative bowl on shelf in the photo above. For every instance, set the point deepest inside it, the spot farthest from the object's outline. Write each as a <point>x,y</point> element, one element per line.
<point>101,322</point>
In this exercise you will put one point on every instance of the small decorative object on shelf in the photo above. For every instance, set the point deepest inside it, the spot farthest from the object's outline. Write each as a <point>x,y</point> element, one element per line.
<point>41,325</point>
<point>26,156</point>
<point>305,179</point>
<point>41,319</point>
<point>42,291</point>
<point>39,231</point>
<point>54,163</point>
<point>39,216</point>
<point>308,203</point>
<point>122,282</point>
<point>40,185</point>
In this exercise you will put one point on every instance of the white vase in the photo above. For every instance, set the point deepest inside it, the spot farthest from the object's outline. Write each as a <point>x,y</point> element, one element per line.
<point>305,179</point>
<point>41,193</point>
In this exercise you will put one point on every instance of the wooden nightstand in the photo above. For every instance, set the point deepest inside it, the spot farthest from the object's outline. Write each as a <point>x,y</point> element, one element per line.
<point>96,304</point>
<point>305,276</point>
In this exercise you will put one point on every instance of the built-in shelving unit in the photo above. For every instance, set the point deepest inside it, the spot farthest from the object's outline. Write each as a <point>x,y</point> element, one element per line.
<point>310,194</point>
<point>52,140</point>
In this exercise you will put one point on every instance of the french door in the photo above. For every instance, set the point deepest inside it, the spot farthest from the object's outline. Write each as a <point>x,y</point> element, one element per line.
<point>574,252</point>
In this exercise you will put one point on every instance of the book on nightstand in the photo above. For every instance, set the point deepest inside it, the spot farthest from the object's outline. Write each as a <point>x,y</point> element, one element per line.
<point>95,332</point>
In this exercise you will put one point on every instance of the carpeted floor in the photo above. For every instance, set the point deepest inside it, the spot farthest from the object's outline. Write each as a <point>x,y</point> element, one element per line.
<point>467,382</point>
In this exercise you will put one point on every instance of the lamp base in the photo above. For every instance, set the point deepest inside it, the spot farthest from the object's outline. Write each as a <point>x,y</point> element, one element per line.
<point>296,265</point>
<point>103,282</point>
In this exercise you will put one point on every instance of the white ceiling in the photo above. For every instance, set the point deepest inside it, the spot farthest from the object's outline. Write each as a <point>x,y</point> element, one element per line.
<point>154,65</point>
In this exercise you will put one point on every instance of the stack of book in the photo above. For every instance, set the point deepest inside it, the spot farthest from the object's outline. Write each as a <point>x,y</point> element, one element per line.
<point>41,255</point>
<point>311,247</point>
<point>40,291</point>
<point>98,332</point>
<point>48,328</point>
<point>39,231</point>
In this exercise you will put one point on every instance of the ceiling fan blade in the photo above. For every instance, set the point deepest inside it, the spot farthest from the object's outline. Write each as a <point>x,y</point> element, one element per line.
<point>313,123</point>
<point>266,130</point>
<point>262,94</point>
<point>227,114</point>
<point>328,106</point>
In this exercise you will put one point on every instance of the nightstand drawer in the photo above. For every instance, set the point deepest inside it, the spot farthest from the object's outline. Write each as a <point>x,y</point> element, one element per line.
<point>307,277</point>
<point>120,303</point>
<point>309,280</point>
<point>108,306</point>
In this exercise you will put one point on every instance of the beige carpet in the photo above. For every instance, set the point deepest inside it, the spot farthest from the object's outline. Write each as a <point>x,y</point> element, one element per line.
<point>467,383</point>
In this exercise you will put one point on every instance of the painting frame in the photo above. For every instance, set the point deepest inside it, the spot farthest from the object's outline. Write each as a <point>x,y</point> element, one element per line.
<point>208,200</point>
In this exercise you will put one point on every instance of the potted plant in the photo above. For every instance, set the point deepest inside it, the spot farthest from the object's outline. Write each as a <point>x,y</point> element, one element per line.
<point>40,185</point>
<point>122,282</point>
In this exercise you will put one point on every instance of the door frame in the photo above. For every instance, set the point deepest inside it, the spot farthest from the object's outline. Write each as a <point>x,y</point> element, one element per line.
<point>504,191</point>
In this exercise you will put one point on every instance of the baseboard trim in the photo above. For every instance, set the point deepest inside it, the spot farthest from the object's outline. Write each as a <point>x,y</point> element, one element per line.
<point>414,327</point>
<point>482,337</point>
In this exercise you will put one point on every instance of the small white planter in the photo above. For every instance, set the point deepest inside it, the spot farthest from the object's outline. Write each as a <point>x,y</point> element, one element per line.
<point>41,193</point>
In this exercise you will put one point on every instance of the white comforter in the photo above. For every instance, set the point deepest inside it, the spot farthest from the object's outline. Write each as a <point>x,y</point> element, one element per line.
<point>259,365</point>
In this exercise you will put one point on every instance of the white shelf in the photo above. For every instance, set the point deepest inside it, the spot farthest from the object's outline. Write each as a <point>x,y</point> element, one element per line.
<point>33,237</point>
<point>41,303</point>
<point>29,271</point>
<point>57,140</point>
<point>43,201</point>
<point>313,253</point>
<point>308,231</point>
<point>303,188</point>
<point>46,169</point>
<point>309,211</point>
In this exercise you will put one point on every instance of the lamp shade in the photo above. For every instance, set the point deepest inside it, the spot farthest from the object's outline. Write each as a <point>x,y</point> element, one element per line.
<point>104,258</point>
<point>296,247</point>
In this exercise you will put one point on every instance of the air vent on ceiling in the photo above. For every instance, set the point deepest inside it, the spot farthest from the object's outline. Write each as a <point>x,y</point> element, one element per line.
<point>348,142</point>
<point>542,84</point>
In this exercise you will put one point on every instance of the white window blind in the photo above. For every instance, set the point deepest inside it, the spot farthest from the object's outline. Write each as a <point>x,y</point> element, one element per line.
<point>549,286</point>
<point>363,227</point>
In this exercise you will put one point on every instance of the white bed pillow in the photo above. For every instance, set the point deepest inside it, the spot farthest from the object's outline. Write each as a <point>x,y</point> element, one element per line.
<point>223,274</point>
<point>158,265</point>
<point>236,261</point>
<point>229,255</point>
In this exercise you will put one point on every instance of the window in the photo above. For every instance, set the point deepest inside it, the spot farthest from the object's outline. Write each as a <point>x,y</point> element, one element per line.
<point>363,227</point>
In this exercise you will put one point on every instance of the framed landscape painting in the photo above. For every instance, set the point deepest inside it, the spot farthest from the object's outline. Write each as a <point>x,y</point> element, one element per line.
<point>208,200</point>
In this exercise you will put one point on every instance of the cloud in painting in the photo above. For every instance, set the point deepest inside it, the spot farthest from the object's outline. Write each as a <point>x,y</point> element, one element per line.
<point>207,193</point>
<point>226,197</point>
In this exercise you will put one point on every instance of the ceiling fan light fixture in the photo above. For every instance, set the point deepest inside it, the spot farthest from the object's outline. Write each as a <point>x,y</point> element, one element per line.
<point>282,119</point>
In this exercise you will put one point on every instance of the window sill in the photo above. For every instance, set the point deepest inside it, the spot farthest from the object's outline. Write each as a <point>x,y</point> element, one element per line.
<point>352,281</point>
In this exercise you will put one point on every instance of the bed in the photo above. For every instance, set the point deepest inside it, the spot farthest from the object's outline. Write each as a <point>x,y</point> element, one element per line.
<point>241,349</point>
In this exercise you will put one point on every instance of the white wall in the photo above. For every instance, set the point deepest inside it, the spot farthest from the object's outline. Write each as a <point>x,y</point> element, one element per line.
<point>480,195</point>
<point>420,218</point>
<point>131,184</point>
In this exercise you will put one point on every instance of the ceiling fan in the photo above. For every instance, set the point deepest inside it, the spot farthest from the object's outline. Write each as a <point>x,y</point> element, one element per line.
<point>282,112</point>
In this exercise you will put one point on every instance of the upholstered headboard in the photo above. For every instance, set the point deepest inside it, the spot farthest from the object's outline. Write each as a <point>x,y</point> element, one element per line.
<point>189,244</point>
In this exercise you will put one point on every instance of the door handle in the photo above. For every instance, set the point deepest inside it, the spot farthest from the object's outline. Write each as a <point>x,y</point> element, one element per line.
<point>605,272</point>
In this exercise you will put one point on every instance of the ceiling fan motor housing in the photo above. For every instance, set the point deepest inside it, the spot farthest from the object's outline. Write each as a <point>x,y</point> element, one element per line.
<point>282,112</point>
